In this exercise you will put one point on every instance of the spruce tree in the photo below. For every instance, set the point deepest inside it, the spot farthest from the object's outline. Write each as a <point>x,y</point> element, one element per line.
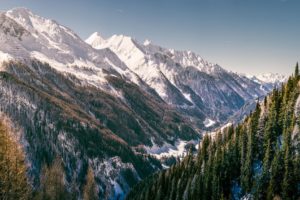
<point>275,176</point>
<point>297,71</point>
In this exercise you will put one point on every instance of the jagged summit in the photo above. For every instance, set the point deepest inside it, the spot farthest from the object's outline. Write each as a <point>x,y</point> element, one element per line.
<point>109,102</point>
<point>184,78</point>
<point>95,39</point>
<point>272,77</point>
<point>25,35</point>
<point>181,78</point>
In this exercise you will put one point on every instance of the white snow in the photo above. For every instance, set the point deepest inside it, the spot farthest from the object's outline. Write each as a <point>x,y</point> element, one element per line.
<point>168,150</point>
<point>154,64</point>
<point>47,41</point>
<point>188,97</point>
<point>214,133</point>
<point>5,57</point>
<point>209,122</point>
<point>95,39</point>
<point>272,77</point>
<point>268,78</point>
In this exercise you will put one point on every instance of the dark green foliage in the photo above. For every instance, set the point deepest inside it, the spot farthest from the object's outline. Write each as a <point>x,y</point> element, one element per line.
<point>258,155</point>
<point>297,71</point>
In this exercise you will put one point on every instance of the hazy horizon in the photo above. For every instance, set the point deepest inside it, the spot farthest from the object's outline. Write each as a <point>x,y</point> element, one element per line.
<point>250,37</point>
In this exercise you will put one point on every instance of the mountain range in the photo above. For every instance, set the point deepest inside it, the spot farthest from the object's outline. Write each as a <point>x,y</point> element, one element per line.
<point>106,103</point>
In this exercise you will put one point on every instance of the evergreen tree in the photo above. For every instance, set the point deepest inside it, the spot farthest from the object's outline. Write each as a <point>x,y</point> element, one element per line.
<point>297,71</point>
<point>276,176</point>
<point>288,172</point>
<point>259,155</point>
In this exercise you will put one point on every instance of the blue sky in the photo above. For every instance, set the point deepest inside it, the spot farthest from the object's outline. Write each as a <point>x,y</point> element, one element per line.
<point>250,36</point>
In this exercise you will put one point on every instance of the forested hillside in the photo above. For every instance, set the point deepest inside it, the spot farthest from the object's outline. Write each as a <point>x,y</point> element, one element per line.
<point>257,159</point>
<point>14,182</point>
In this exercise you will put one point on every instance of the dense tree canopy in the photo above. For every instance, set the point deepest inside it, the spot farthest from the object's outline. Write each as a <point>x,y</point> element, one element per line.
<point>258,158</point>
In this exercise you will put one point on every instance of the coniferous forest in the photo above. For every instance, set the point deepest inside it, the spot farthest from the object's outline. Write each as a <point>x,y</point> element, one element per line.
<point>257,159</point>
<point>14,182</point>
<point>118,116</point>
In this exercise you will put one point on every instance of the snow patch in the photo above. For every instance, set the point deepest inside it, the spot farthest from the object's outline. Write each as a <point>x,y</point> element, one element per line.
<point>168,150</point>
<point>209,122</point>
<point>188,97</point>
<point>5,57</point>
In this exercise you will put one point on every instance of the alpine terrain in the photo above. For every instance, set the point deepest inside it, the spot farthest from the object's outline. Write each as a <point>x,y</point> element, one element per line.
<point>93,118</point>
<point>257,159</point>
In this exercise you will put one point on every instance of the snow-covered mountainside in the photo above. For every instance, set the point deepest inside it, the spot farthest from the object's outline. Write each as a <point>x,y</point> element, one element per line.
<point>183,79</point>
<point>272,78</point>
<point>25,35</point>
<point>269,80</point>
<point>108,105</point>
<point>82,104</point>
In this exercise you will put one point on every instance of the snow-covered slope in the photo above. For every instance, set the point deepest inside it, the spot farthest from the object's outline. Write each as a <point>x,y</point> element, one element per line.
<point>24,35</point>
<point>271,78</point>
<point>124,92</point>
<point>82,104</point>
<point>184,79</point>
<point>268,78</point>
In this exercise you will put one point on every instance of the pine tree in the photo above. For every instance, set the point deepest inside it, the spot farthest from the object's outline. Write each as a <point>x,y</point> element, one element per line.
<point>288,172</point>
<point>297,71</point>
<point>265,177</point>
<point>276,176</point>
<point>230,157</point>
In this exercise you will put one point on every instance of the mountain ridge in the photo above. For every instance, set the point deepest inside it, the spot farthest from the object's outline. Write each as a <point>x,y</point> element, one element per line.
<point>167,69</point>
<point>105,108</point>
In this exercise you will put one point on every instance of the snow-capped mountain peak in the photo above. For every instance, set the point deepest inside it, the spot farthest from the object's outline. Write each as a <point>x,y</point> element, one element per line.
<point>271,77</point>
<point>95,40</point>
<point>35,23</point>
<point>274,79</point>
<point>181,78</point>
<point>26,36</point>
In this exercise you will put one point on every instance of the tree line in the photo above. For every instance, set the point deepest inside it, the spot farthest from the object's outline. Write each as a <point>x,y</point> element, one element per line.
<point>258,158</point>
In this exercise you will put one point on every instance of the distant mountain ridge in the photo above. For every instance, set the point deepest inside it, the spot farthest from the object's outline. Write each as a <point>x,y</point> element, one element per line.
<point>256,159</point>
<point>185,80</point>
<point>106,106</point>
